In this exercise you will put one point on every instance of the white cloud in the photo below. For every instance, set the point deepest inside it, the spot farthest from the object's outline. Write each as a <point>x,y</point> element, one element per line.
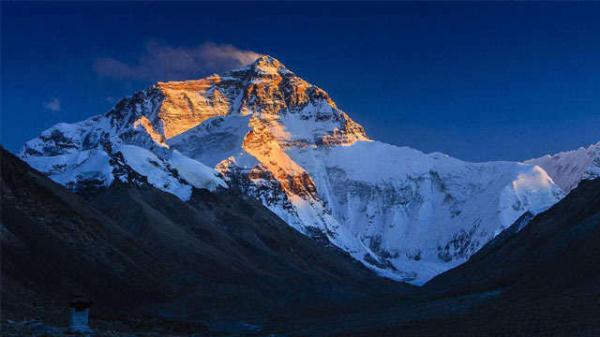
<point>53,104</point>
<point>163,62</point>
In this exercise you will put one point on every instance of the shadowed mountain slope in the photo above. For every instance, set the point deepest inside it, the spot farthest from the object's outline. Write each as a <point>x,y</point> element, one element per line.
<point>220,256</point>
<point>55,246</point>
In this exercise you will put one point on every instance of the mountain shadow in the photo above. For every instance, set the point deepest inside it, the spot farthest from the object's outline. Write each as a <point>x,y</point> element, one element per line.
<point>136,252</point>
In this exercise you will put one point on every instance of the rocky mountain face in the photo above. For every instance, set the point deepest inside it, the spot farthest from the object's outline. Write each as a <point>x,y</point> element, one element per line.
<point>569,168</point>
<point>266,132</point>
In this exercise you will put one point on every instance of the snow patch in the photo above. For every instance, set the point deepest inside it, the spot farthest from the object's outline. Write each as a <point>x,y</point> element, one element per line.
<point>155,170</point>
<point>195,173</point>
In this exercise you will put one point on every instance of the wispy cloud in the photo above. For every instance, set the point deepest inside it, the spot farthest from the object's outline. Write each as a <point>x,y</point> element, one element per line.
<point>163,62</point>
<point>53,104</point>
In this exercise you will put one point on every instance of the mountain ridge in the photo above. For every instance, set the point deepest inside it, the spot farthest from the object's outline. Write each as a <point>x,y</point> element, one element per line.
<point>568,168</point>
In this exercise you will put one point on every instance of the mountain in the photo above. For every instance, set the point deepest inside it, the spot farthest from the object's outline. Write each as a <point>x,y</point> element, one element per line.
<point>135,250</point>
<point>269,134</point>
<point>542,280</point>
<point>54,246</point>
<point>568,168</point>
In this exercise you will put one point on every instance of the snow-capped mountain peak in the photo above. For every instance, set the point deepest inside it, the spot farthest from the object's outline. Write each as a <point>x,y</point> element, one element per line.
<point>284,141</point>
<point>267,65</point>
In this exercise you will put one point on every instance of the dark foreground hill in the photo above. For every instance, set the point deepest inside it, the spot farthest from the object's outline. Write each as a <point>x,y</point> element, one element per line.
<point>135,250</point>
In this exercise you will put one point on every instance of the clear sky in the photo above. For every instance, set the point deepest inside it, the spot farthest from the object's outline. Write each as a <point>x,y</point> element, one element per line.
<point>479,81</point>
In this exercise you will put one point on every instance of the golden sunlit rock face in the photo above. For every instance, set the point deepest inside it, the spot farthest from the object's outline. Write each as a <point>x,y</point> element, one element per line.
<point>187,104</point>
<point>284,111</point>
<point>261,143</point>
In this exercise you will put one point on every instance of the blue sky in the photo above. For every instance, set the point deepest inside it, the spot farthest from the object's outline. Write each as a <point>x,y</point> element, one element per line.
<point>479,81</point>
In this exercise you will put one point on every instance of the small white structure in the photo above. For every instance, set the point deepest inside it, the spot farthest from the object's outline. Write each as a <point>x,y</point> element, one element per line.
<point>80,309</point>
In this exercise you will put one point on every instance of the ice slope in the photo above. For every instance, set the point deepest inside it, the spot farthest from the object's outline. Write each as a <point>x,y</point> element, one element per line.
<point>568,168</point>
<point>275,137</point>
<point>414,215</point>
